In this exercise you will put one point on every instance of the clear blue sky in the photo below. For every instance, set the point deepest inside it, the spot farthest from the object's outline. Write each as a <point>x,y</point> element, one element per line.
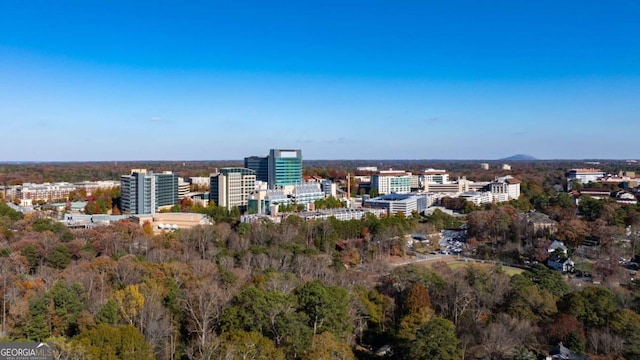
<point>206,80</point>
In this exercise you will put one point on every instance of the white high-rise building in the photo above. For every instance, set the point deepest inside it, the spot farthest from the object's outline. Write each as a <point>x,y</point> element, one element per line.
<point>391,182</point>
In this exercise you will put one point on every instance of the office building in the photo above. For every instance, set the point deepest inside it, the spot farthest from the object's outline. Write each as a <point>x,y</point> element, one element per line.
<point>329,188</point>
<point>504,188</point>
<point>398,203</point>
<point>341,214</point>
<point>421,180</point>
<point>184,188</point>
<point>285,168</point>
<point>144,192</point>
<point>259,164</point>
<point>231,187</point>
<point>44,192</point>
<point>585,175</point>
<point>435,176</point>
<point>166,188</point>
<point>478,197</point>
<point>391,182</point>
<point>307,194</point>
<point>280,168</point>
<point>454,187</point>
<point>136,192</point>
<point>200,181</point>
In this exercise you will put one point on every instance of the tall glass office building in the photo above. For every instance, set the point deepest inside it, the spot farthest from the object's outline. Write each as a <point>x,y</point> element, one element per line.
<point>285,167</point>
<point>143,192</point>
<point>166,188</point>
<point>259,164</point>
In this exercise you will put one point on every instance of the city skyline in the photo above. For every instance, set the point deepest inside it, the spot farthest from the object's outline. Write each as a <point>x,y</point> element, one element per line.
<point>86,81</point>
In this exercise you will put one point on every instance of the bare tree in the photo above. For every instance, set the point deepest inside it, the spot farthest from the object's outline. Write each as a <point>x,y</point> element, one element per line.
<point>203,303</point>
<point>501,337</point>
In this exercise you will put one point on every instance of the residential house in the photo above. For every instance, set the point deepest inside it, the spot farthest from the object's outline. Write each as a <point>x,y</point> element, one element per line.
<point>561,352</point>
<point>540,222</point>
<point>560,263</point>
<point>558,246</point>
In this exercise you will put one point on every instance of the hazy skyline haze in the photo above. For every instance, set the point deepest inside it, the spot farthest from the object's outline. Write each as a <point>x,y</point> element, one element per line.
<point>94,81</point>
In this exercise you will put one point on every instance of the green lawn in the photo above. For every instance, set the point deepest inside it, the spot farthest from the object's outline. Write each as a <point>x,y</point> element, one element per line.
<point>507,269</point>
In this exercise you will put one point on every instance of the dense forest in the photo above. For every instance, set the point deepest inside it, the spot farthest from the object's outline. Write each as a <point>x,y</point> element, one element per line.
<point>286,291</point>
<point>15,174</point>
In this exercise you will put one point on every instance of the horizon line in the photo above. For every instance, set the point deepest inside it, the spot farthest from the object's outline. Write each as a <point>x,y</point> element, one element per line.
<point>18,162</point>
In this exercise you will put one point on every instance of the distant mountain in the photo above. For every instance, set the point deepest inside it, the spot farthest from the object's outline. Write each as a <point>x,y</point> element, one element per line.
<point>519,157</point>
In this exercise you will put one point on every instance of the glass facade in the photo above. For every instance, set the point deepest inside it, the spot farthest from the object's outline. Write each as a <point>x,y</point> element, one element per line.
<point>166,189</point>
<point>143,192</point>
<point>285,167</point>
<point>260,164</point>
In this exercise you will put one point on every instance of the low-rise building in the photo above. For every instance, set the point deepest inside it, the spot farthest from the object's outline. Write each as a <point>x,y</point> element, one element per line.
<point>307,194</point>
<point>92,186</point>
<point>343,214</point>
<point>625,197</point>
<point>584,176</point>
<point>396,203</point>
<point>89,221</point>
<point>173,221</point>
<point>596,193</point>
<point>45,191</point>
<point>478,197</point>
<point>200,181</point>
<point>367,168</point>
<point>454,187</point>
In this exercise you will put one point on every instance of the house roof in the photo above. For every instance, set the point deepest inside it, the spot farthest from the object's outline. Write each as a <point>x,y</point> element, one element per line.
<point>561,352</point>
<point>595,191</point>
<point>558,245</point>
<point>539,218</point>
<point>559,260</point>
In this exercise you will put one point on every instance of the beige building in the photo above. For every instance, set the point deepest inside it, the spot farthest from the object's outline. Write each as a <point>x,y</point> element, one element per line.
<point>173,221</point>
<point>231,187</point>
<point>455,187</point>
